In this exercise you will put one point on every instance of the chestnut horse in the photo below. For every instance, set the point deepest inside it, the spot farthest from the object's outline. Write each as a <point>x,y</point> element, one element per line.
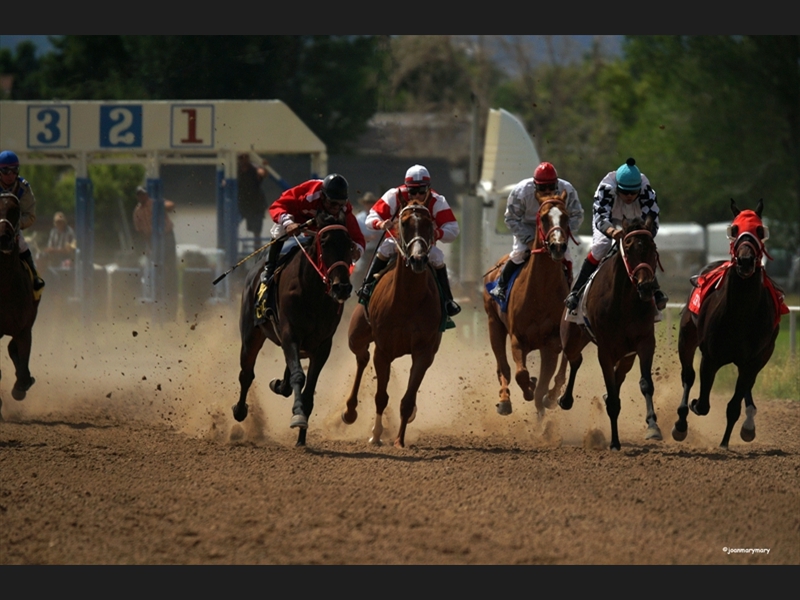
<point>619,317</point>
<point>737,322</point>
<point>535,306</point>
<point>310,291</point>
<point>18,306</point>
<point>404,317</point>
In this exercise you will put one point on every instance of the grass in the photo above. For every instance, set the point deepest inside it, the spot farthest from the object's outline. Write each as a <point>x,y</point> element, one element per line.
<point>780,378</point>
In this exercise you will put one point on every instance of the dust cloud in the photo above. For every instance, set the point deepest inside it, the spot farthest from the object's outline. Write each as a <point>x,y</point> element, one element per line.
<point>184,375</point>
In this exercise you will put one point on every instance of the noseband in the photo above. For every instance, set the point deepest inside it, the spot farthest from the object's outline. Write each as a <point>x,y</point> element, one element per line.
<point>642,266</point>
<point>417,211</point>
<point>747,240</point>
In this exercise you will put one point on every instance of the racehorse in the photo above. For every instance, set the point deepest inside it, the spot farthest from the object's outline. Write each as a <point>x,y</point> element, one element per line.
<point>310,289</point>
<point>619,317</point>
<point>736,322</point>
<point>404,316</point>
<point>535,306</point>
<point>18,307</point>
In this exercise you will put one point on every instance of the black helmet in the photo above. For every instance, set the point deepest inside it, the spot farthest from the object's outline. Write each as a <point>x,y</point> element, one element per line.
<point>335,187</point>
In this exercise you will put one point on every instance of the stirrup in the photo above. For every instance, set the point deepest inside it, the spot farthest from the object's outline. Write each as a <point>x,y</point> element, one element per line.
<point>498,293</point>
<point>452,308</point>
<point>38,284</point>
<point>571,301</point>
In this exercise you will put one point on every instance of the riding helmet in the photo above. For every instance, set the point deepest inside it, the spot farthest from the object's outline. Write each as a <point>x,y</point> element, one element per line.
<point>629,178</point>
<point>545,173</point>
<point>8,159</point>
<point>335,187</point>
<point>417,176</point>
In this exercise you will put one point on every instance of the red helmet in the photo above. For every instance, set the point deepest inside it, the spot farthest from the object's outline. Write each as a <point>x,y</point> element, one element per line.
<point>545,173</point>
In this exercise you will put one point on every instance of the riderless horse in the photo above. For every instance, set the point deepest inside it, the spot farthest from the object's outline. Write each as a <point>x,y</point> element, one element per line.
<point>535,306</point>
<point>619,317</point>
<point>18,304</point>
<point>310,290</point>
<point>733,315</point>
<point>405,315</point>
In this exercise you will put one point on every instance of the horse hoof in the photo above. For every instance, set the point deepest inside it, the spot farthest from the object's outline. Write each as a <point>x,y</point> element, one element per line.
<point>349,421</point>
<point>240,412</point>
<point>748,435</point>
<point>653,433</point>
<point>565,402</point>
<point>679,435</point>
<point>504,407</point>
<point>18,392</point>
<point>299,421</point>
<point>375,441</point>
<point>275,386</point>
<point>693,406</point>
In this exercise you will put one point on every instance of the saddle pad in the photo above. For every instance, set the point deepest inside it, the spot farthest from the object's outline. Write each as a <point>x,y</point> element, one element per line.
<point>493,284</point>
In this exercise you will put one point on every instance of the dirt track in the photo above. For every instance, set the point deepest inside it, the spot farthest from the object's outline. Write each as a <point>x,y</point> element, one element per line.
<point>126,452</point>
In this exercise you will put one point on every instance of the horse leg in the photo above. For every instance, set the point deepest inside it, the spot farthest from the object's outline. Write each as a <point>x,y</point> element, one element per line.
<point>687,346</point>
<point>519,355</point>
<point>420,362</point>
<point>359,339</point>
<point>282,387</point>
<point>315,364</point>
<point>744,386</point>
<point>558,382</point>
<point>611,398</point>
<point>297,379</point>
<point>497,339</point>
<point>549,361</point>
<point>647,388</point>
<point>19,349</point>
<point>252,341</point>
<point>708,371</point>
<point>572,343</point>
<point>748,431</point>
<point>382,365</point>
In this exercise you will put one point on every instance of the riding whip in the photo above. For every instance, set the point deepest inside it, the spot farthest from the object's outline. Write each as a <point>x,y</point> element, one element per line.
<point>249,256</point>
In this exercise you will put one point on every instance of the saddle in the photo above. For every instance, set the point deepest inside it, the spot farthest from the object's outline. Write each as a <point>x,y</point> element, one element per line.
<point>266,301</point>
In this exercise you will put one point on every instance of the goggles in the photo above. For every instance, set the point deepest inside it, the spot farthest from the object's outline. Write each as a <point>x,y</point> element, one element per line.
<point>418,191</point>
<point>7,170</point>
<point>546,187</point>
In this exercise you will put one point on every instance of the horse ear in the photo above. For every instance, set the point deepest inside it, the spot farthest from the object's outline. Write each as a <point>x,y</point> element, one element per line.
<point>734,209</point>
<point>649,222</point>
<point>760,207</point>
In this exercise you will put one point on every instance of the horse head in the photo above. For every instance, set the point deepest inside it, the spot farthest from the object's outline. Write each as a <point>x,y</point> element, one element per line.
<point>747,235</point>
<point>416,235</point>
<point>552,224</point>
<point>334,250</point>
<point>639,254</point>
<point>10,214</point>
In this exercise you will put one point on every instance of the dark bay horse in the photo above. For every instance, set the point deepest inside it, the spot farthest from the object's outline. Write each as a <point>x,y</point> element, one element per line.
<point>18,307</point>
<point>535,307</point>
<point>404,317</point>
<point>736,322</point>
<point>619,317</point>
<point>310,292</point>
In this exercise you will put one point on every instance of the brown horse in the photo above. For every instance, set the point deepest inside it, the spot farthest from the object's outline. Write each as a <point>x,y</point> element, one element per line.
<point>18,307</point>
<point>737,322</point>
<point>619,317</point>
<point>535,306</point>
<point>405,317</point>
<point>310,291</point>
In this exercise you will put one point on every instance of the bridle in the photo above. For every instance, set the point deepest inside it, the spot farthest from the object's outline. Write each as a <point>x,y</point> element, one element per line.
<point>416,210</point>
<point>642,266</point>
<point>319,265</point>
<point>544,235</point>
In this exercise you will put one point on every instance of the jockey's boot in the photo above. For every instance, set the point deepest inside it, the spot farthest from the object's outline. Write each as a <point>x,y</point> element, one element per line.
<point>660,297</point>
<point>450,305</point>
<point>272,260</point>
<point>499,292</point>
<point>587,269</point>
<point>378,265</point>
<point>27,258</point>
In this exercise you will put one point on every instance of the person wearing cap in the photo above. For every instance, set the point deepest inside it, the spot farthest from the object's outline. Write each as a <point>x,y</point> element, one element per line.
<point>61,243</point>
<point>624,193</point>
<point>384,212</point>
<point>10,181</point>
<point>522,209</point>
<point>297,205</point>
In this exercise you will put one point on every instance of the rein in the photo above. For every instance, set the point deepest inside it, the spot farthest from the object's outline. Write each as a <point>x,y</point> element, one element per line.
<point>642,266</point>
<point>319,260</point>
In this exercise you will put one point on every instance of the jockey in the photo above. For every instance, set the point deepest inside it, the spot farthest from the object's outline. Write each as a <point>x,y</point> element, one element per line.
<point>10,181</point>
<point>383,213</point>
<point>521,213</point>
<point>302,202</point>
<point>637,199</point>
